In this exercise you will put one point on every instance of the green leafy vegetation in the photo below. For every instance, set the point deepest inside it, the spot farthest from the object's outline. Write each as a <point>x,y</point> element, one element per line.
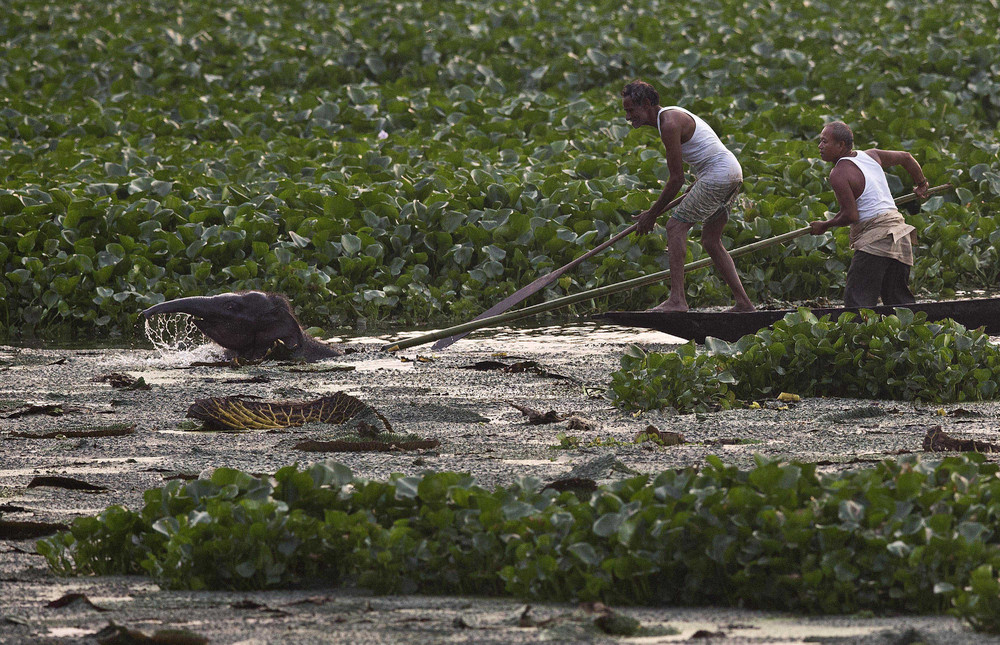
<point>572,441</point>
<point>866,355</point>
<point>419,160</point>
<point>682,379</point>
<point>909,536</point>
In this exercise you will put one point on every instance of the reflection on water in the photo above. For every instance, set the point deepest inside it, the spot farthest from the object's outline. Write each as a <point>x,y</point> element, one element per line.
<point>783,629</point>
<point>81,465</point>
<point>179,342</point>
<point>549,337</point>
<point>163,360</point>
<point>529,462</point>
<point>95,343</point>
<point>68,632</point>
<point>567,336</point>
<point>177,347</point>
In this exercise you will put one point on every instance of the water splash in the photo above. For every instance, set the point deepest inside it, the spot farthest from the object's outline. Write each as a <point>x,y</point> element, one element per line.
<point>171,333</point>
<point>178,341</point>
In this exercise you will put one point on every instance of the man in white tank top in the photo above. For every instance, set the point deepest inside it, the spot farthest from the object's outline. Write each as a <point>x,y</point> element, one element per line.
<point>718,177</point>
<point>880,237</point>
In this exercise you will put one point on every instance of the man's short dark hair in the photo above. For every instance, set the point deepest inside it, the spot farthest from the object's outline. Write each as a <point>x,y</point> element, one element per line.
<point>641,91</point>
<point>841,133</point>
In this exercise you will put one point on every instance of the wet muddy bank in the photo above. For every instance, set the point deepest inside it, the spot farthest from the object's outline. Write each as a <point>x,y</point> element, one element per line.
<point>434,395</point>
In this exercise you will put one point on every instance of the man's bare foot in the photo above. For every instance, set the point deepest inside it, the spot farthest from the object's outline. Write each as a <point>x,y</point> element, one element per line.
<point>741,309</point>
<point>671,305</point>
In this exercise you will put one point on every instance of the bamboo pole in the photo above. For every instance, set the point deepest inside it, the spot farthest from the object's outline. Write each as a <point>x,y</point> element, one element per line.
<point>537,285</point>
<point>609,289</point>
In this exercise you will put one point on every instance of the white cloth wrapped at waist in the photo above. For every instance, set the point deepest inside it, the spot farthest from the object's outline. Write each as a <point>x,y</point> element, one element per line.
<point>886,235</point>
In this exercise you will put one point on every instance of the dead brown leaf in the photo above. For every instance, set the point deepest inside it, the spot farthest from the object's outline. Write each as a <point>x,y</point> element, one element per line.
<point>120,635</point>
<point>577,422</point>
<point>58,481</point>
<point>77,599</point>
<point>538,418</point>
<point>50,409</point>
<point>122,380</point>
<point>663,437</point>
<point>115,430</point>
<point>937,441</point>
<point>246,413</point>
<point>312,445</point>
<point>520,367</point>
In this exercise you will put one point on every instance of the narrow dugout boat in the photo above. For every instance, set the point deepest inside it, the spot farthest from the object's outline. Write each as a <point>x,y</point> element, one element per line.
<point>696,325</point>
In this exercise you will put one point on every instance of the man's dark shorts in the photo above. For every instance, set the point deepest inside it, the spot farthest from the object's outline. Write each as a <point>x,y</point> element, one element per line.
<point>872,276</point>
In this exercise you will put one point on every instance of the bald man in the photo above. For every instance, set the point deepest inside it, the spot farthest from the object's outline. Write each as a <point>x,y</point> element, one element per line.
<point>880,237</point>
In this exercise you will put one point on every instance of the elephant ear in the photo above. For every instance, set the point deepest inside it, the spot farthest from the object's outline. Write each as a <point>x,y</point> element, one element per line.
<point>281,327</point>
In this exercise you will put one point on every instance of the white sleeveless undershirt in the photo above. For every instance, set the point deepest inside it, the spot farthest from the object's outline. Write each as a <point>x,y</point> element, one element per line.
<point>705,152</point>
<point>876,197</point>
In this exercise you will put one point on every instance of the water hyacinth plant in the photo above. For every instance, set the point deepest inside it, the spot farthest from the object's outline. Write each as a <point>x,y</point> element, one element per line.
<point>901,357</point>
<point>907,536</point>
<point>421,160</point>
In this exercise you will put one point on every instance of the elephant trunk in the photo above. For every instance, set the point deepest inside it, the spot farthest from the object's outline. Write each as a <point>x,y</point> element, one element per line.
<point>194,305</point>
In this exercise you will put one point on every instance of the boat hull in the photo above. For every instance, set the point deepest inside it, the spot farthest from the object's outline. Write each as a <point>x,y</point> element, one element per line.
<point>697,325</point>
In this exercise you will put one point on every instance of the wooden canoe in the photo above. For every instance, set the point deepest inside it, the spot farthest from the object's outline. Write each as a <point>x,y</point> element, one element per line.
<point>696,325</point>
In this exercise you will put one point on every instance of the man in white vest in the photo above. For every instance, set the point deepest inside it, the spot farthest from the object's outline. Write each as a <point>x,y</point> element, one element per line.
<point>880,237</point>
<point>718,177</point>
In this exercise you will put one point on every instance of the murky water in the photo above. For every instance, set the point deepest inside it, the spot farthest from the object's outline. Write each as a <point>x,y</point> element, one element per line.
<point>435,400</point>
<point>561,337</point>
<point>183,348</point>
<point>80,466</point>
<point>179,343</point>
<point>68,632</point>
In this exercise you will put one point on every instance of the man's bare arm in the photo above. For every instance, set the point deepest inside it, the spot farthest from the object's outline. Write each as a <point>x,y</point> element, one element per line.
<point>671,138</point>
<point>848,213</point>
<point>670,135</point>
<point>890,158</point>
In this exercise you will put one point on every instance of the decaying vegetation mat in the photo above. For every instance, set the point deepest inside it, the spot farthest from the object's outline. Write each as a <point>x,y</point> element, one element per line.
<point>469,411</point>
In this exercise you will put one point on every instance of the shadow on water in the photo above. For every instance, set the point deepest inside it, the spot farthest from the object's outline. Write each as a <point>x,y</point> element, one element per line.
<point>76,344</point>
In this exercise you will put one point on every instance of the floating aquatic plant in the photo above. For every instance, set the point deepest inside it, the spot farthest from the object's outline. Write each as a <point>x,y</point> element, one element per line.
<point>870,356</point>
<point>913,535</point>
<point>152,163</point>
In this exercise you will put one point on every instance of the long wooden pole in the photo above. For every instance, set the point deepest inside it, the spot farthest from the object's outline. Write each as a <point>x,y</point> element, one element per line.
<point>609,289</point>
<point>540,283</point>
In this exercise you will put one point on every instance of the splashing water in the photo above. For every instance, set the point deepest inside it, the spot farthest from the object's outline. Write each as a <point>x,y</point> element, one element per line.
<point>173,333</point>
<point>175,337</point>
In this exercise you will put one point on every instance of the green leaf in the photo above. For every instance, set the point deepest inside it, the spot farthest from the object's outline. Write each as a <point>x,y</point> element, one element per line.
<point>142,70</point>
<point>246,569</point>
<point>298,240</point>
<point>407,487</point>
<point>161,188</point>
<point>608,524</point>
<point>517,510</point>
<point>586,553</point>
<point>351,243</point>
